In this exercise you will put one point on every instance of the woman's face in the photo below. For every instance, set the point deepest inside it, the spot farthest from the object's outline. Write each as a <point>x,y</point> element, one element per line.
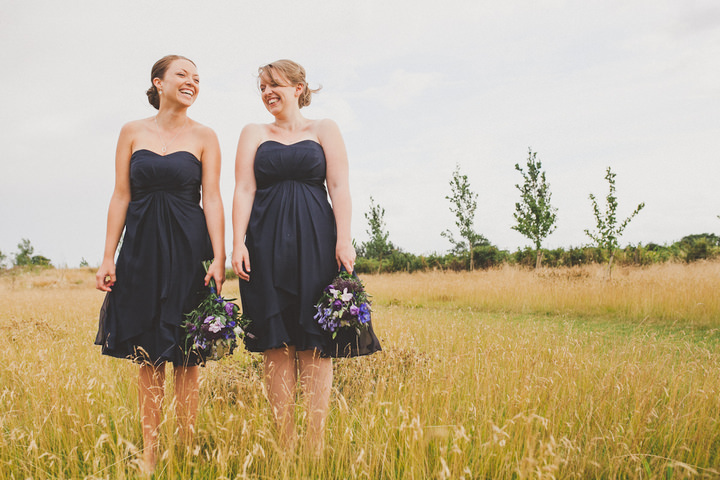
<point>180,84</point>
<point>278,96</point>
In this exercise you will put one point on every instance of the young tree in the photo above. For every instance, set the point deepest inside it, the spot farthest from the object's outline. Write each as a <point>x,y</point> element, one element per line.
<point>24,254</point>
<point>463,203</point>
<point>608,231</point>
<point>378,246</point>
<point>2,260</point>
<point>534,214</point>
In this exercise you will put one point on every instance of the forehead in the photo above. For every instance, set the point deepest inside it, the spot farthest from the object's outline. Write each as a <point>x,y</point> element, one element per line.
<point>273,76</point>
<point>182,64</point>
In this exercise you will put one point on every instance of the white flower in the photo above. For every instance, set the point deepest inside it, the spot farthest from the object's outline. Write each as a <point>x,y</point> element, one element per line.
<point>345,296</point>
<point>216,326</point>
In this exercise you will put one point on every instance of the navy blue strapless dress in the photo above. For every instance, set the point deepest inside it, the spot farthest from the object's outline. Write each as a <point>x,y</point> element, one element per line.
<point>291,242</point>
<point>291,239</point>
<point>159,268</point>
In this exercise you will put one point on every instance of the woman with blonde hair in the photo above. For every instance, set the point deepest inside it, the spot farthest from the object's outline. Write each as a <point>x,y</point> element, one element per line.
<point>289,242</point>
<point>165,165</point>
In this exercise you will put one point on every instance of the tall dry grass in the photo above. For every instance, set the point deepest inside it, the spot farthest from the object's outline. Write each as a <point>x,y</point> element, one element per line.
<point>671,293</point>
<point>495,374</point>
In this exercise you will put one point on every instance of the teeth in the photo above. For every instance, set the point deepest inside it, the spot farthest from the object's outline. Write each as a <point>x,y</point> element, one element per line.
<point>272,101</point>
<point>187,92</point>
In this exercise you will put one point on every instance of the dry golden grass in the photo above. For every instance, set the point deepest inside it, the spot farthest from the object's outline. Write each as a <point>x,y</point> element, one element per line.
<point>665,293</point>
<point>494,374</point>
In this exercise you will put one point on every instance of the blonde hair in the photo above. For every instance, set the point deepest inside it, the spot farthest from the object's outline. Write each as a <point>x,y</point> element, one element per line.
<point>284,72</point>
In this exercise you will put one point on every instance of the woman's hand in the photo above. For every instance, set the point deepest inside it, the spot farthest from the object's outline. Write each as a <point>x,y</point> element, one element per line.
<point>241,262</point>
<point>345,256</point>
<point>105,276</point>
<point>216,271</point>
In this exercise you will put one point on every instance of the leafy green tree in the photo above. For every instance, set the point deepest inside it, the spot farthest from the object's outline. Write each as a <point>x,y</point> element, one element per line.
<point>534,214</point>
<point>378,246</point>
<point>463,203</point>
<point>84,263</point>
<point>3,257</point>
<point>608,231</point>
<point>24,255</point>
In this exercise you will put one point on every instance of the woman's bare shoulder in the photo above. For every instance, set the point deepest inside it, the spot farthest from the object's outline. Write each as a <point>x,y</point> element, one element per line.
<point>135,126</point>
<point>326,130</point>
<point>203,131</point>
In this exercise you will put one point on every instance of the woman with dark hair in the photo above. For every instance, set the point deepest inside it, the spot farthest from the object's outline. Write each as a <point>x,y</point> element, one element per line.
<point>165,166</point>
<point>285,229</point>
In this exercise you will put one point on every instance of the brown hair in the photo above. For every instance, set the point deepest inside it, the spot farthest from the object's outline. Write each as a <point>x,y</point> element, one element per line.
<point>158,71</point>
<point>283,71</point>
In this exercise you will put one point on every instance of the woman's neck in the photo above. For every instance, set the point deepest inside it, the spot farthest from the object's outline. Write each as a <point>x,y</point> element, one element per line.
<point>171,117</point>
<point>291,122</point>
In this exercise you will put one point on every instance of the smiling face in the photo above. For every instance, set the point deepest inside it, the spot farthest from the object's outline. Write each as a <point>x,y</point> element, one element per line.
<point>278,94</point>
<point>180,83</point>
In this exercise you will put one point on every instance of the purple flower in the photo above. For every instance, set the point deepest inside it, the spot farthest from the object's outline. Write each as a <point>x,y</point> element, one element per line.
<point>209,319</point>
<point>364,316</point>
<point>230,308</point>
<point>337,304</point>
<point>354,310</point>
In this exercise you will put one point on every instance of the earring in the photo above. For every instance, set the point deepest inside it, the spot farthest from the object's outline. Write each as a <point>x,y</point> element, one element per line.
<point>160,92</point>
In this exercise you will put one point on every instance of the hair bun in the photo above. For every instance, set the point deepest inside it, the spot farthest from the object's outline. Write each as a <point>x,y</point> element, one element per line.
<point>153,97</point>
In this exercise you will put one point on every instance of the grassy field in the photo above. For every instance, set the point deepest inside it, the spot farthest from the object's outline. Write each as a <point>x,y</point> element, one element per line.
<point>505,373</point>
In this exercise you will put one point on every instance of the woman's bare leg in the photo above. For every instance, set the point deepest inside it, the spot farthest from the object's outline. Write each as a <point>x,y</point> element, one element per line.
<point>186,401</point>
<point>316,374</point>
<point>280,381</point>
<point>151,384</point>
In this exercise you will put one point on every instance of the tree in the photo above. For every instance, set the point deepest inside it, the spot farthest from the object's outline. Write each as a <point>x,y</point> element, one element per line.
<point>534,214</point>
<point>378,246</point>
<point>608,231</point>
<point>24,255</point>
<point>2,260</point>
<point>463,203</point>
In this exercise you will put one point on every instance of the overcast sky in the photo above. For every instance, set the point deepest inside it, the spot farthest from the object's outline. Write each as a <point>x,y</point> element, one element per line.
<point>416,87</point>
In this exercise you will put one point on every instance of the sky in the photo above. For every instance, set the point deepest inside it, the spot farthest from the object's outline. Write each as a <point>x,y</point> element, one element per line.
<point>418,89</point>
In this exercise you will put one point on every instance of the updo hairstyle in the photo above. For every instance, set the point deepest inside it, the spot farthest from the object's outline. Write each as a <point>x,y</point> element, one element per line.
<point>287,73</point>
<point>158,71</point>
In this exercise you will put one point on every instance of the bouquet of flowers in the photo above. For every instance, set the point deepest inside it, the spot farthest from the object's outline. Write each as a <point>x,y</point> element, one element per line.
<point>214,327</point>
<point>343,303</point>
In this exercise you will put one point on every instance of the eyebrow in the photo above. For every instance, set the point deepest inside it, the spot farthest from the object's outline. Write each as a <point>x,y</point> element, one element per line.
<point>188,73</point>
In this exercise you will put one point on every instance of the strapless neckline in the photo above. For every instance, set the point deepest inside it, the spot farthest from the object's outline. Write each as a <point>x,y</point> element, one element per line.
<point>290,144</point>
<point>167,154</point>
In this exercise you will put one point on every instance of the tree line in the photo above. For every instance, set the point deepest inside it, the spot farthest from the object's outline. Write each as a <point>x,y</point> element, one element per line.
<point>535,218</point>
<point>24,256</point>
